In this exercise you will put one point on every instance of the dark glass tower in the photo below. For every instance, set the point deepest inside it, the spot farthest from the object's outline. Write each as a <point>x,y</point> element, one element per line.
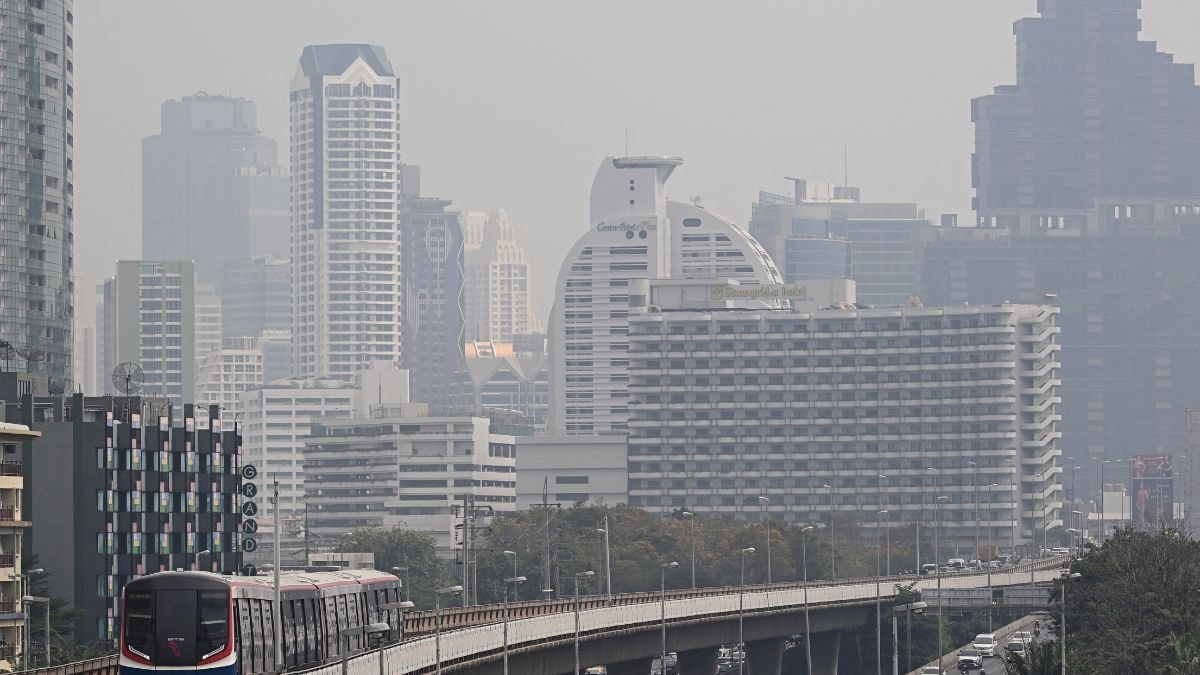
<point>36,187</point>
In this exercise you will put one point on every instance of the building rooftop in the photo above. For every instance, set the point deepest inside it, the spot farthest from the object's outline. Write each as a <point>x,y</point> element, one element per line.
<point>335,59</point>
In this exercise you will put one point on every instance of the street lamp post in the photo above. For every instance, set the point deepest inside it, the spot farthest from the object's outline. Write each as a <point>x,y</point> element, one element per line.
<point>578,576</point>
<point>662,608</point>
<point>515,581</point>
<point>937,545</point>
<point>975,490</point>
<point>26,632</point>
<point>989,566</point>
<point>46,601</point>
<point>804,563</point>
<point>832,540</point>
<point>1063,624</point>
<point>1016,505</point>
<point>402,572</point>
<point>878,600</point>
<point>607,561</point>
<point>437,631</point>
<point>887,523</point>
<point>742,610</point>
<point>766,518</point>
<point>513,555</point>
<point>692,527</point>
<point>907,609</point>
<point>204,552</point>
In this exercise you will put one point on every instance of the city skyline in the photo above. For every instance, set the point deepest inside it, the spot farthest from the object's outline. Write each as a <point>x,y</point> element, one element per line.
<point>931,133</point>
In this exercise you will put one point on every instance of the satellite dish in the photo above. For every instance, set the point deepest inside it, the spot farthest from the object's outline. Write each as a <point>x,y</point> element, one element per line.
<point>128,378</point>
<point>31,353</point>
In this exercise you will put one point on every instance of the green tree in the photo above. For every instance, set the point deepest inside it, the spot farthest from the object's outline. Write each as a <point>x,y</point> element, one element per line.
<point>1183,655</point>
<point>399,547</point>
<point>1042,657</point>
<point>1133,594</point>
<point>63,617</point>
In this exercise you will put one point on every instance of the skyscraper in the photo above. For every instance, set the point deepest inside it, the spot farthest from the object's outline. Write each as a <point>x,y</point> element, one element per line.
<point>37,217</point>
<point>497,281</point>
<point>212,190</point>
<point>347,309</point>
<point>634,233</point>
<point>1087,178</point>
<point>433,297</point>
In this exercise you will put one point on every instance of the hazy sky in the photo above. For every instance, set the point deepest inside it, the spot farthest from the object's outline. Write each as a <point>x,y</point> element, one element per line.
<point>513,104</point>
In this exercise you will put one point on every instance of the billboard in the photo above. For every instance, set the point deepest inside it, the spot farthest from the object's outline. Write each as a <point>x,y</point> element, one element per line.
<point>1153,489</point>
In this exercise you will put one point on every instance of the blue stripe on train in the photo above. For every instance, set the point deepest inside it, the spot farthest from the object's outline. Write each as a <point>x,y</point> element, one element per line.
<point>229,669</point>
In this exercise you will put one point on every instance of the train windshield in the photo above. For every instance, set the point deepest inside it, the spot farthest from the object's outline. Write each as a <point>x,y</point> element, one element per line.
<point>176,627</point>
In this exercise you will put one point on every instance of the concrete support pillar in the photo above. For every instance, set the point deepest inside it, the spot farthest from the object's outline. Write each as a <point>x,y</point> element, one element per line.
<point>825,649</point>
<point>638,667</point>
<point>765,657</point>
<point>698,662</point>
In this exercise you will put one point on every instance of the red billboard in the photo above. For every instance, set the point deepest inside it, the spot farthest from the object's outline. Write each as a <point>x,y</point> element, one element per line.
<point>1153,489</point>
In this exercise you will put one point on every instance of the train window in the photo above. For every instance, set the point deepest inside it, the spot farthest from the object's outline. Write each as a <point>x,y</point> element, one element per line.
<point>139,624</point>
<point>212,636</point>
<point>175,629</point>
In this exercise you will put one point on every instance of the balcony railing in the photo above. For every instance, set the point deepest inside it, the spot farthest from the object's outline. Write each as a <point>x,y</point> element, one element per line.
<point>8,606</point>
<point>10,469</point>
<point>8,513</point>
<point>8,560</point>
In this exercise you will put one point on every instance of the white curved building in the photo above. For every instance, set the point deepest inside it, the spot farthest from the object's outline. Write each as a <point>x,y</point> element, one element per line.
<point>634,233</point>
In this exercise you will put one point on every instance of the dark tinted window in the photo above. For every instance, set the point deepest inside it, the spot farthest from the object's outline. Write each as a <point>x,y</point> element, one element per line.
<point>139,624</point>
<point>212,635</point>
<point>175,613</point>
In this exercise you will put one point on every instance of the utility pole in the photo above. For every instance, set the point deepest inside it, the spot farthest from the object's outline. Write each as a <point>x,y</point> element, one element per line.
<point>545,506</point>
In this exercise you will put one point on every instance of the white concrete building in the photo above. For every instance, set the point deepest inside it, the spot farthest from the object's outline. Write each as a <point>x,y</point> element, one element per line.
<point>400,470</point>
<point>571,469</point>
<point>228,371</point>
<point>810,407</point>
<point>634,233</point>
<point>497,280</point>
<point>346,190</point>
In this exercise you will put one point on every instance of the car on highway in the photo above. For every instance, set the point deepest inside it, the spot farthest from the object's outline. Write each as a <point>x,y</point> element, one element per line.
<point>970,659</point>
<point>1023,636</point>
<point>985,643</point>
<point>1016,647</point>
<point>932,670</point>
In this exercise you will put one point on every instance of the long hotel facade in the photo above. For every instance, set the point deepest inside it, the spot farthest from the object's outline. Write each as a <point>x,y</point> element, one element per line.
<point>848,410</point>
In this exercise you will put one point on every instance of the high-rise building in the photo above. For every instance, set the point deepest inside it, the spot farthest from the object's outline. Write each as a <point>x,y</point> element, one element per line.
<point>1087,178</point>
<point>514,384</point>
<point>432,274</point>
<point>813,407</point>
<point>346,187</point>
<point>37,176</point>
<point>149,317</point>
<point>256,296</point>
<point>634,233</point>
<point>13,526</point>
<point>208,320</point>
<point>227,371</point>
<point>806,231</point>
<point>497,281</point>
<point>1095,115</point>
<point>212,190</point>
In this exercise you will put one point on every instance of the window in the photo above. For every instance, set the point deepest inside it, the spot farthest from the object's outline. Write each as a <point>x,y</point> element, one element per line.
<point>139,624</point>
<point>212,633</point>
<point>570,480</point>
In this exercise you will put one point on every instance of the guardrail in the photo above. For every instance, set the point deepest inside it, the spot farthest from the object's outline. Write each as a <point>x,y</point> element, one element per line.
<point>483,641</point>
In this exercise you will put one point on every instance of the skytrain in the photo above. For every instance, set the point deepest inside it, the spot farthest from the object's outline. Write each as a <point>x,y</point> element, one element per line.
<point>211,624</point>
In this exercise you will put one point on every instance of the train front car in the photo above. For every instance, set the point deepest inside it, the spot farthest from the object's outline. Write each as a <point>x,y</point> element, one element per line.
<point>179,622</point>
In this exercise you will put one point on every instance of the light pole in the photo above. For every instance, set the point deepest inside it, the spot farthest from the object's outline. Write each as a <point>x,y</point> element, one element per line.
<point>975,489</point>
<point>607,561</point>
<point>515,581</point>
<point>46,601</point>
<point>1016,505</point>
<point>402,572</point>
<point>1063,624</point>
<point>692,526</point>
<point>26,632</point>
<point>937,545</point>
<point>742,611</point>
<point>832,540</point>
<point>804,563</point>
<point>896,610</point>
<point>878,598</point>
<point>1100,505</point>
<point>662,608</point>
<point>766,518</point>
<point>513,555</point>
<point>437,631</point>
<point>989,566</point>
<point>578,576</point>
<point>887,522</point>
<point>204,552</point>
